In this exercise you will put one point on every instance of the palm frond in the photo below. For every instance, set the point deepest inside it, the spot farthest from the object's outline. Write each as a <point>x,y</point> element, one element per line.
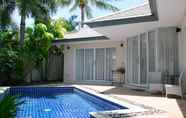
<point>102,4</point>
<point>75,5</point>
<point>5,12</point>
<point>88,12</point>
<point>65,2</point>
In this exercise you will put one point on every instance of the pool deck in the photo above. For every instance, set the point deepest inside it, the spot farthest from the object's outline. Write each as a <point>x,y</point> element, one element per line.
<point>174,108</point>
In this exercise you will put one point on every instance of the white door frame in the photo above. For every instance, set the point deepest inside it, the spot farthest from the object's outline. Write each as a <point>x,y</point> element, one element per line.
<point>139,62</point>
<point>94,66</point>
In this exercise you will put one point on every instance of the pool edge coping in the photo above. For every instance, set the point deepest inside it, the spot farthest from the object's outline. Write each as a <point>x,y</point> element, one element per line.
<point>132,108</point>
<point>104,114</point>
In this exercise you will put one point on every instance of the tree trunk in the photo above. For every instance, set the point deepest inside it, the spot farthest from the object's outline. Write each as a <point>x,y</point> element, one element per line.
<point>22,30</point>
<point>82,15</point>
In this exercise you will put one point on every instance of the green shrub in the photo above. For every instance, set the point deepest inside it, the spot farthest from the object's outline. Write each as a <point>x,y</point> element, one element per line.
<point>8,107</point>
<point>10,69</point>
<point>17,62</point>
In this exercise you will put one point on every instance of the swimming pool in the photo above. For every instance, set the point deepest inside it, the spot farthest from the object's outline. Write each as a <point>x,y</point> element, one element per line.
<point>59,102</point>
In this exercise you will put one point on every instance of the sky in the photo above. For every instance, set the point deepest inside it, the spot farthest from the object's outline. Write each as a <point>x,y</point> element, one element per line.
<point>66,13</point>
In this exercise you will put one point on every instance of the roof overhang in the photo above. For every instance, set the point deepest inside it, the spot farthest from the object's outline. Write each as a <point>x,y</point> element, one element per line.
<point>139,19</point>
<point>82,39</point>
<point>165,13</point>
<point>82,35</point>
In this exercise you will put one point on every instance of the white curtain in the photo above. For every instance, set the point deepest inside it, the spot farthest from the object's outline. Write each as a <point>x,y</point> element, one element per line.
<point>100,63</point>
<point>80,64</point>
<point>110,63</point>
<point>89,64</point>
<point>135,60</point>
<point>129,60</point>
<point>95,64</point>
<point>143,58</point>
<point>152,51</point>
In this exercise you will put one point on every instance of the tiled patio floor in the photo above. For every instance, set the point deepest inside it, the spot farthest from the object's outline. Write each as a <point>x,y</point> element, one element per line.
<point>174,108</point>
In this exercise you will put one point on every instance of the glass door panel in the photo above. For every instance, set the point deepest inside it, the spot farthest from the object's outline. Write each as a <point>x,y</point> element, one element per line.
<point>110,63</point>
<point>80,64</point>
<point>152,51</point>
<point>129,60</point>
<point>95,64</point>
<point>100,59</point>
<point>135,60</point>
<point>143,59</point>
<point>89,64</point>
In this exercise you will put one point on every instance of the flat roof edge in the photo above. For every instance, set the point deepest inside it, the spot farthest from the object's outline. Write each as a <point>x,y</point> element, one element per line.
<point>117,12</point>
<point>139,19</point>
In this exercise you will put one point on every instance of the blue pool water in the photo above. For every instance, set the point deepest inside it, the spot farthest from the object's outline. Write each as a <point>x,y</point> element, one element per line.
<point>59,102</point>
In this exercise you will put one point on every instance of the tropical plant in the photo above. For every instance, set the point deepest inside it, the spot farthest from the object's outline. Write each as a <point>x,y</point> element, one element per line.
<point>8,62</point>
<point>85,7</point>
<point>6,8</point>
<point>71,23</point>
<point>37,45</point>
<point>26,8</point>
<point>57,28</point>
<point>9,106</point>
<point>10,70</point>
<point>38,9</point>
<point>8,39</point>
<point>17,62</point>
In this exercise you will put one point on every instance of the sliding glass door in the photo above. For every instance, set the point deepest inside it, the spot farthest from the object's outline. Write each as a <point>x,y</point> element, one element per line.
<point>100,64</point>
<point>137,60</point>
<point>95,64</point>
<point>110,63</point>
<point>89,64</point>
<point>143,59</point>
<point>80,64</point>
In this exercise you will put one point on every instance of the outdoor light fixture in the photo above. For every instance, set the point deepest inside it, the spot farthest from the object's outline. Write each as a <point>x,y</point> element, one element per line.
<point>178,29</point>
<point>121,44</point>
<point>68,47</point>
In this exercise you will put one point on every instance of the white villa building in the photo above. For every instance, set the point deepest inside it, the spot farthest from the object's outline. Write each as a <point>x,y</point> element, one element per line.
<point>145,39</point>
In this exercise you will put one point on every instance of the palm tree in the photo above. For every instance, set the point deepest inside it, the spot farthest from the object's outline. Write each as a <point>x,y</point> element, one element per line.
<point>85,7</point>
<point>34,8</point>
<point>25,7</point>
<point>6,8</point>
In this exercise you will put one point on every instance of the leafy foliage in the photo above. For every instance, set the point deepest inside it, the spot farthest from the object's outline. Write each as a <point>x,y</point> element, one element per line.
<point>8,107</point>
<point>17,62</point>
<point>60,26</point>
<point>38,42</point>
<point>57,28</point>
<point>86,7</point>
<point>40,10</point>
<point>71,23</point>
<point>6,8</point>
<point>9,57</point>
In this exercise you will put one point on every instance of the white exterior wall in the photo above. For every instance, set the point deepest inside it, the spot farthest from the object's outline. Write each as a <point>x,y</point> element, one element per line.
<point>182,51</point>
<point>69,56</point>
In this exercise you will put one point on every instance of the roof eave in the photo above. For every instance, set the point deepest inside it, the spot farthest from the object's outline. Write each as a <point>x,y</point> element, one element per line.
<point>72,40</point>
<point>139,19</point>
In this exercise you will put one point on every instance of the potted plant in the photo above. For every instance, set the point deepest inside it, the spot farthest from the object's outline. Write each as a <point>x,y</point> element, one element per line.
<point>121,70</point>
